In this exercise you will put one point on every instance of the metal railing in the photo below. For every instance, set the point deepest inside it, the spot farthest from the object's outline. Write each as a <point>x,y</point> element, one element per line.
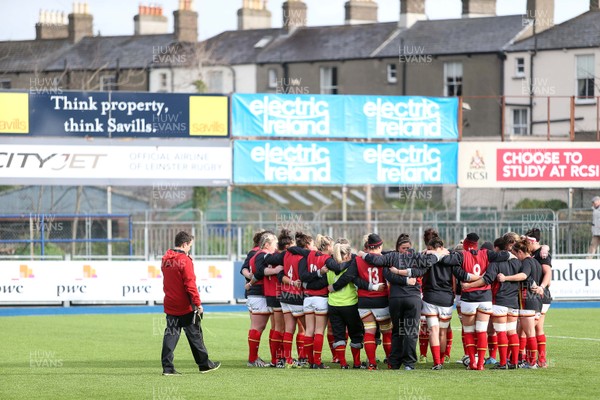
<point>567,232</point>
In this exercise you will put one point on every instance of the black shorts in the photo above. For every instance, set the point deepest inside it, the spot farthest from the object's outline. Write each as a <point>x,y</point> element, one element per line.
<point>533,303</point>
<point>547,299</point>
<point>273,302</point>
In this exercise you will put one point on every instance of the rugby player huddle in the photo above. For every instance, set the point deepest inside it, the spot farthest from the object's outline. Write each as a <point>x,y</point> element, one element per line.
<point>394,298</point>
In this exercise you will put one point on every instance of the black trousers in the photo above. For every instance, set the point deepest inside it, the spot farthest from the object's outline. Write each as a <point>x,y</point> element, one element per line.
<point>193,332</point>
<point>406,315</point>
<point>346,317</point>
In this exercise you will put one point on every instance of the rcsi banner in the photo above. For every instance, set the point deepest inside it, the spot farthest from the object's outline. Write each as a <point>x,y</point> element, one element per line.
<point>116,164</point>
<point>529,164</point>
<point>575,279</point>
<point>105,281</point>
<point>401,163</point>
<point>344,116</point>
<point>114,114</point>
<point>285,162</point>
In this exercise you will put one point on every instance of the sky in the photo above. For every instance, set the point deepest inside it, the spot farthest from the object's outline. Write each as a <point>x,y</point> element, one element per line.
<point>115,17</point>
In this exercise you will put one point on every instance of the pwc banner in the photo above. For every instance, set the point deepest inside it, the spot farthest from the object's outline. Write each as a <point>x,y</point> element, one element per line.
<point>344,116</point>
<point>336,163</point>
<point>122,164</point>
<point>105,281</point>
<point>113,114</point>
<point>528,164</point>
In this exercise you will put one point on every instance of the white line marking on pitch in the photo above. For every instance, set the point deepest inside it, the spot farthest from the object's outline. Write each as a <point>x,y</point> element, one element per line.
<point>574,338</point>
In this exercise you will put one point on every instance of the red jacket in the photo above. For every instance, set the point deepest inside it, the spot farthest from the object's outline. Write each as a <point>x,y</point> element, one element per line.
<point>179,283</point>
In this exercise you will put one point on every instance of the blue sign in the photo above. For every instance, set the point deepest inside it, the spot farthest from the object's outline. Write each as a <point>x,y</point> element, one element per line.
<point>338,163</point>
<point>344,116</point>
<point>124,115</point>
<point>285,162</point>
<point>406,163</point>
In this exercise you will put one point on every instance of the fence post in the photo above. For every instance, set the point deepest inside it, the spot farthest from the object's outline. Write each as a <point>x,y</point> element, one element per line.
<point>31,242</point>
<point>43,223</point>
<point>146,236</point>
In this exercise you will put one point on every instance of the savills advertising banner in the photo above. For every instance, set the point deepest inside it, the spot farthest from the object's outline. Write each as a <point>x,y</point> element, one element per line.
<point>337,163</point>
<point>99,281</point>
<point>38,164</point>
<point>529,164</point>
<point>344,116</point>
<point>113,115</point>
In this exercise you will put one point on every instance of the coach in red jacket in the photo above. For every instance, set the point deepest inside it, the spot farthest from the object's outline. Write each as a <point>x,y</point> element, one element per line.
<point>182,306</point>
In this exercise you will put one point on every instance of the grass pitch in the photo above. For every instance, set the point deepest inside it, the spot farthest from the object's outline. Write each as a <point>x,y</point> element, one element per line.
<point>118,357</point>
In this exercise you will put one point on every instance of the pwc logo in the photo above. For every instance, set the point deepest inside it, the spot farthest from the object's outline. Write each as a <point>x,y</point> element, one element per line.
<point>154,272</point>
<point>89,272</point>
<point>25,272</point>
<point>214,272</point>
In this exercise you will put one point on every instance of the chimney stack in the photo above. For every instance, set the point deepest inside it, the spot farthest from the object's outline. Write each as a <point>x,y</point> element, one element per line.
<point>254,15</point>
<point>51,25</point>
<point>594,5</point>
<point>81,22</point>
<point>411,11</point>
<point>541,12</point>
<point>361,12</point>
<point>186,22</point>
<point>478,8</point>
<point>294,14</point>
<point>150,21</point>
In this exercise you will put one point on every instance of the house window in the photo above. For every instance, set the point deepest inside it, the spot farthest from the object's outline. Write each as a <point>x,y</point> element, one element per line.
<point>272,78</point>
<point>453,77</point>
<point>520,67</point>
<point>5,84</point>
<point>520,121</point>
<point>164,80</point>
<point>392,73</point>
<point>329,81</point>
<point>215,81</point>
<point>585,77</point>
<point>108,82</point>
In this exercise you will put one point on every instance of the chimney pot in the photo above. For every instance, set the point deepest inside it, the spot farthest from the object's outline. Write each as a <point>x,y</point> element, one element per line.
<point>411,11</point>
<point>254,15</point>
<point>360,12</point>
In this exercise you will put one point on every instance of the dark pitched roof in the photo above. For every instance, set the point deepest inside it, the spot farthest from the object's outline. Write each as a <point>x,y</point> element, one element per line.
<point>456,36</point>
<point>239,47</point>
<point>30,55</point>
<point>103,52</point>
<point>580,32</point>
<point>340,42</point>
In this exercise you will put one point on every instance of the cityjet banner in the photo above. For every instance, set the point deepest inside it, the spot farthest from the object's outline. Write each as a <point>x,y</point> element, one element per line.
<point>575,279</point>
<point>100,281</point>
<point>344,116</point>
<point>113,114</point>
<point>529,164</point>
<point>324,163</point>
<point>27,164</point>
